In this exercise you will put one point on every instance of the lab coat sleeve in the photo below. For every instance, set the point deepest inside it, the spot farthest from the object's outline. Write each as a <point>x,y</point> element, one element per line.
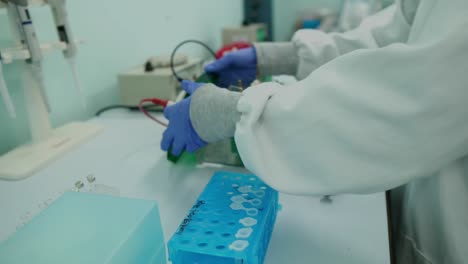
<point>315,48</point>
<point>368,121</point>
<point>276,58</point>
<point>310,49</point>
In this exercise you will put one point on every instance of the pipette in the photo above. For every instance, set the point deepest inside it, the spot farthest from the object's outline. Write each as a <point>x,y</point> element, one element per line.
<point>4,92</point>
<point>60,14</point>
<point>28,37</point>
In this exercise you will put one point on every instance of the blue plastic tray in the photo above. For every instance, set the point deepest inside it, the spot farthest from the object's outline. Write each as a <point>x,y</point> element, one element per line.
<point>230,223</point>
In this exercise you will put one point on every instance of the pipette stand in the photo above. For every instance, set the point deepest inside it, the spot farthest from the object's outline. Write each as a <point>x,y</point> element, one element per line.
<point>47,144</point>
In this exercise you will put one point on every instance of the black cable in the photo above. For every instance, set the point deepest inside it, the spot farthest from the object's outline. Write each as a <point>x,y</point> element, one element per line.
<point>153,108</point>
<point>180,45</point>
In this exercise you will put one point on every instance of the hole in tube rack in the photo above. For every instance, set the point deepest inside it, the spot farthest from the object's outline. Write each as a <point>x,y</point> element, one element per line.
<point>252,211</point>
<point>202,244</point>
<point>256,202</point>
<point>260,193</point>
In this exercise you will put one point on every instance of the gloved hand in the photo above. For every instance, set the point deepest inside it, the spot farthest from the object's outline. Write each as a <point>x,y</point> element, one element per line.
<point>180,134</point>
<point>235,66</point>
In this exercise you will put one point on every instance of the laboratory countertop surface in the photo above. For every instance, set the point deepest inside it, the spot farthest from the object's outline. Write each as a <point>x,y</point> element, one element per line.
<point>126,160</point>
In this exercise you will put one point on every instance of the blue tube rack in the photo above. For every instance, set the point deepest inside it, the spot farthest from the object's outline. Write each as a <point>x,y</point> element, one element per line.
<point>230,223</point>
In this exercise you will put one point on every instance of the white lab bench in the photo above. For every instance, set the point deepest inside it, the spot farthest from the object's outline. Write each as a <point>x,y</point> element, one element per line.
<point>126,159</point>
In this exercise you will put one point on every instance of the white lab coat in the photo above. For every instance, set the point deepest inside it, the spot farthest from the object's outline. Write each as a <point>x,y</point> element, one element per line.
<point>379,107</point>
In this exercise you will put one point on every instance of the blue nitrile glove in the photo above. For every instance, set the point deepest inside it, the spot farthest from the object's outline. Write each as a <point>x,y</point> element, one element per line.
<point>235,66</point>
<point>180,133</point>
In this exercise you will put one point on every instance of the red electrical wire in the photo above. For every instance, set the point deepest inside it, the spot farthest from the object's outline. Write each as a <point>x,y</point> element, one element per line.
<point>155,101</point>
<point>231,47</point>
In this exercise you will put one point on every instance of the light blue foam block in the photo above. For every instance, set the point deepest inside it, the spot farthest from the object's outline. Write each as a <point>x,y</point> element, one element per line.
<point>89,228</point>
<point>231,222</point>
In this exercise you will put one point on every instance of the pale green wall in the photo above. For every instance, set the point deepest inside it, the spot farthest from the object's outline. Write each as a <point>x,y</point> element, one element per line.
<point>119,34</point>
<point>286,13</point>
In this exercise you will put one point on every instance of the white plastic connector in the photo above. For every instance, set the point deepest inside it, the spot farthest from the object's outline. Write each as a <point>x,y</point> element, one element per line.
<point>244,232</point>
<point>237,206</point>
<point>248,221</point>
<point>239,245</point>
<point>238,199</point>
<point>245,189</point>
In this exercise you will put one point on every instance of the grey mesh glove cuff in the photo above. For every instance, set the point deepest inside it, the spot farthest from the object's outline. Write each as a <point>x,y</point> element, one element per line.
<point>213,112</point>
<point>276,58</point>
